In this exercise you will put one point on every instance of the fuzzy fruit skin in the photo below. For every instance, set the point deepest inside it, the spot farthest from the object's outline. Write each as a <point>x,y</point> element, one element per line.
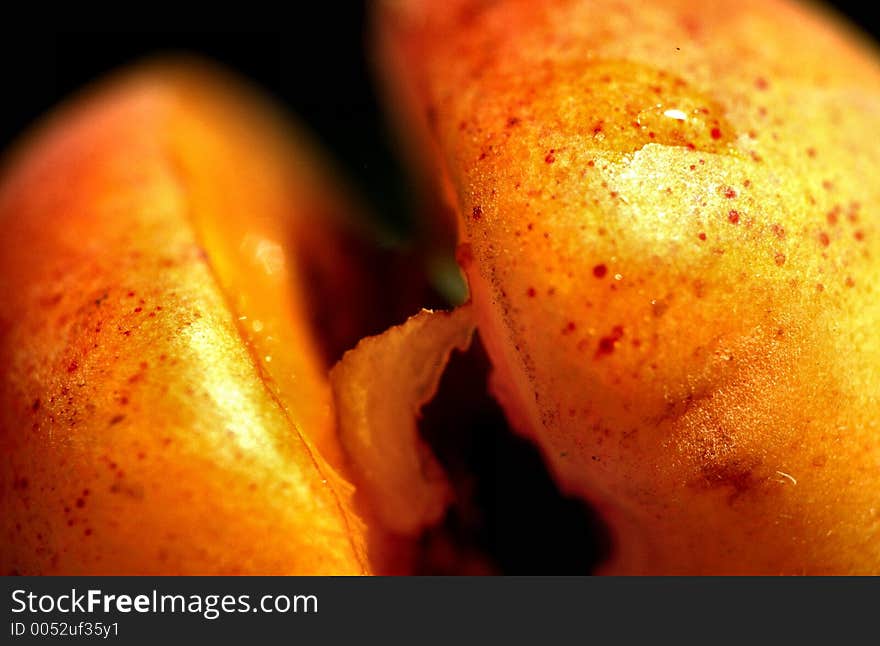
<point>148,423</point>
<point>668,217</point>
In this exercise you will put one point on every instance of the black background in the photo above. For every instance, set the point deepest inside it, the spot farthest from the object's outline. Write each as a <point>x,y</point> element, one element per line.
<point>312,56</point>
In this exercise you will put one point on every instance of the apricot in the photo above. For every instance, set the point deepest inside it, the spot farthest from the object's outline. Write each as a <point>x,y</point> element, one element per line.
<point>164,402</point>
<point>667,215</point>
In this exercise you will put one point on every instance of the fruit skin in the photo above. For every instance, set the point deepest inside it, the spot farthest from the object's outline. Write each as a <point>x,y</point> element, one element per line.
<point>681,312</point>
<point>164,407</point>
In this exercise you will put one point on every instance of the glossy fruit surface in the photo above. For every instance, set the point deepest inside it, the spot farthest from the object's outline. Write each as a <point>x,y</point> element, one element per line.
<point>164,407</point>
<point>667,215</point>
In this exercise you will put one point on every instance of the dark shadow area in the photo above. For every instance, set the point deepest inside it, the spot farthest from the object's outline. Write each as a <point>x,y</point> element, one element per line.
<point>353,288</point>
<point>509,517</point>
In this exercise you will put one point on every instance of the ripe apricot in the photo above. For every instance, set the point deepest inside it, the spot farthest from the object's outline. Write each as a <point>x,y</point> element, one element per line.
<point>668,216</point>
<point>164,406</point>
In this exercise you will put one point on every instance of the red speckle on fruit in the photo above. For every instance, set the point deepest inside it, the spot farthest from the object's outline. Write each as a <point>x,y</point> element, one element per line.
<point>833,215</point>
<point>824,239</point>
<point>477,213</point>
<point>761,83</point>
<point>531,293</point>
<point>659,308</point>
<point>550,157</point>
<point>779,259</point>
<point>701,235</point>
<point>729,192</point>
<point>608,343</point>
<point>733,216</point>
<point>715,133</point>
<point>853,209</point>
<point>599,271</point>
